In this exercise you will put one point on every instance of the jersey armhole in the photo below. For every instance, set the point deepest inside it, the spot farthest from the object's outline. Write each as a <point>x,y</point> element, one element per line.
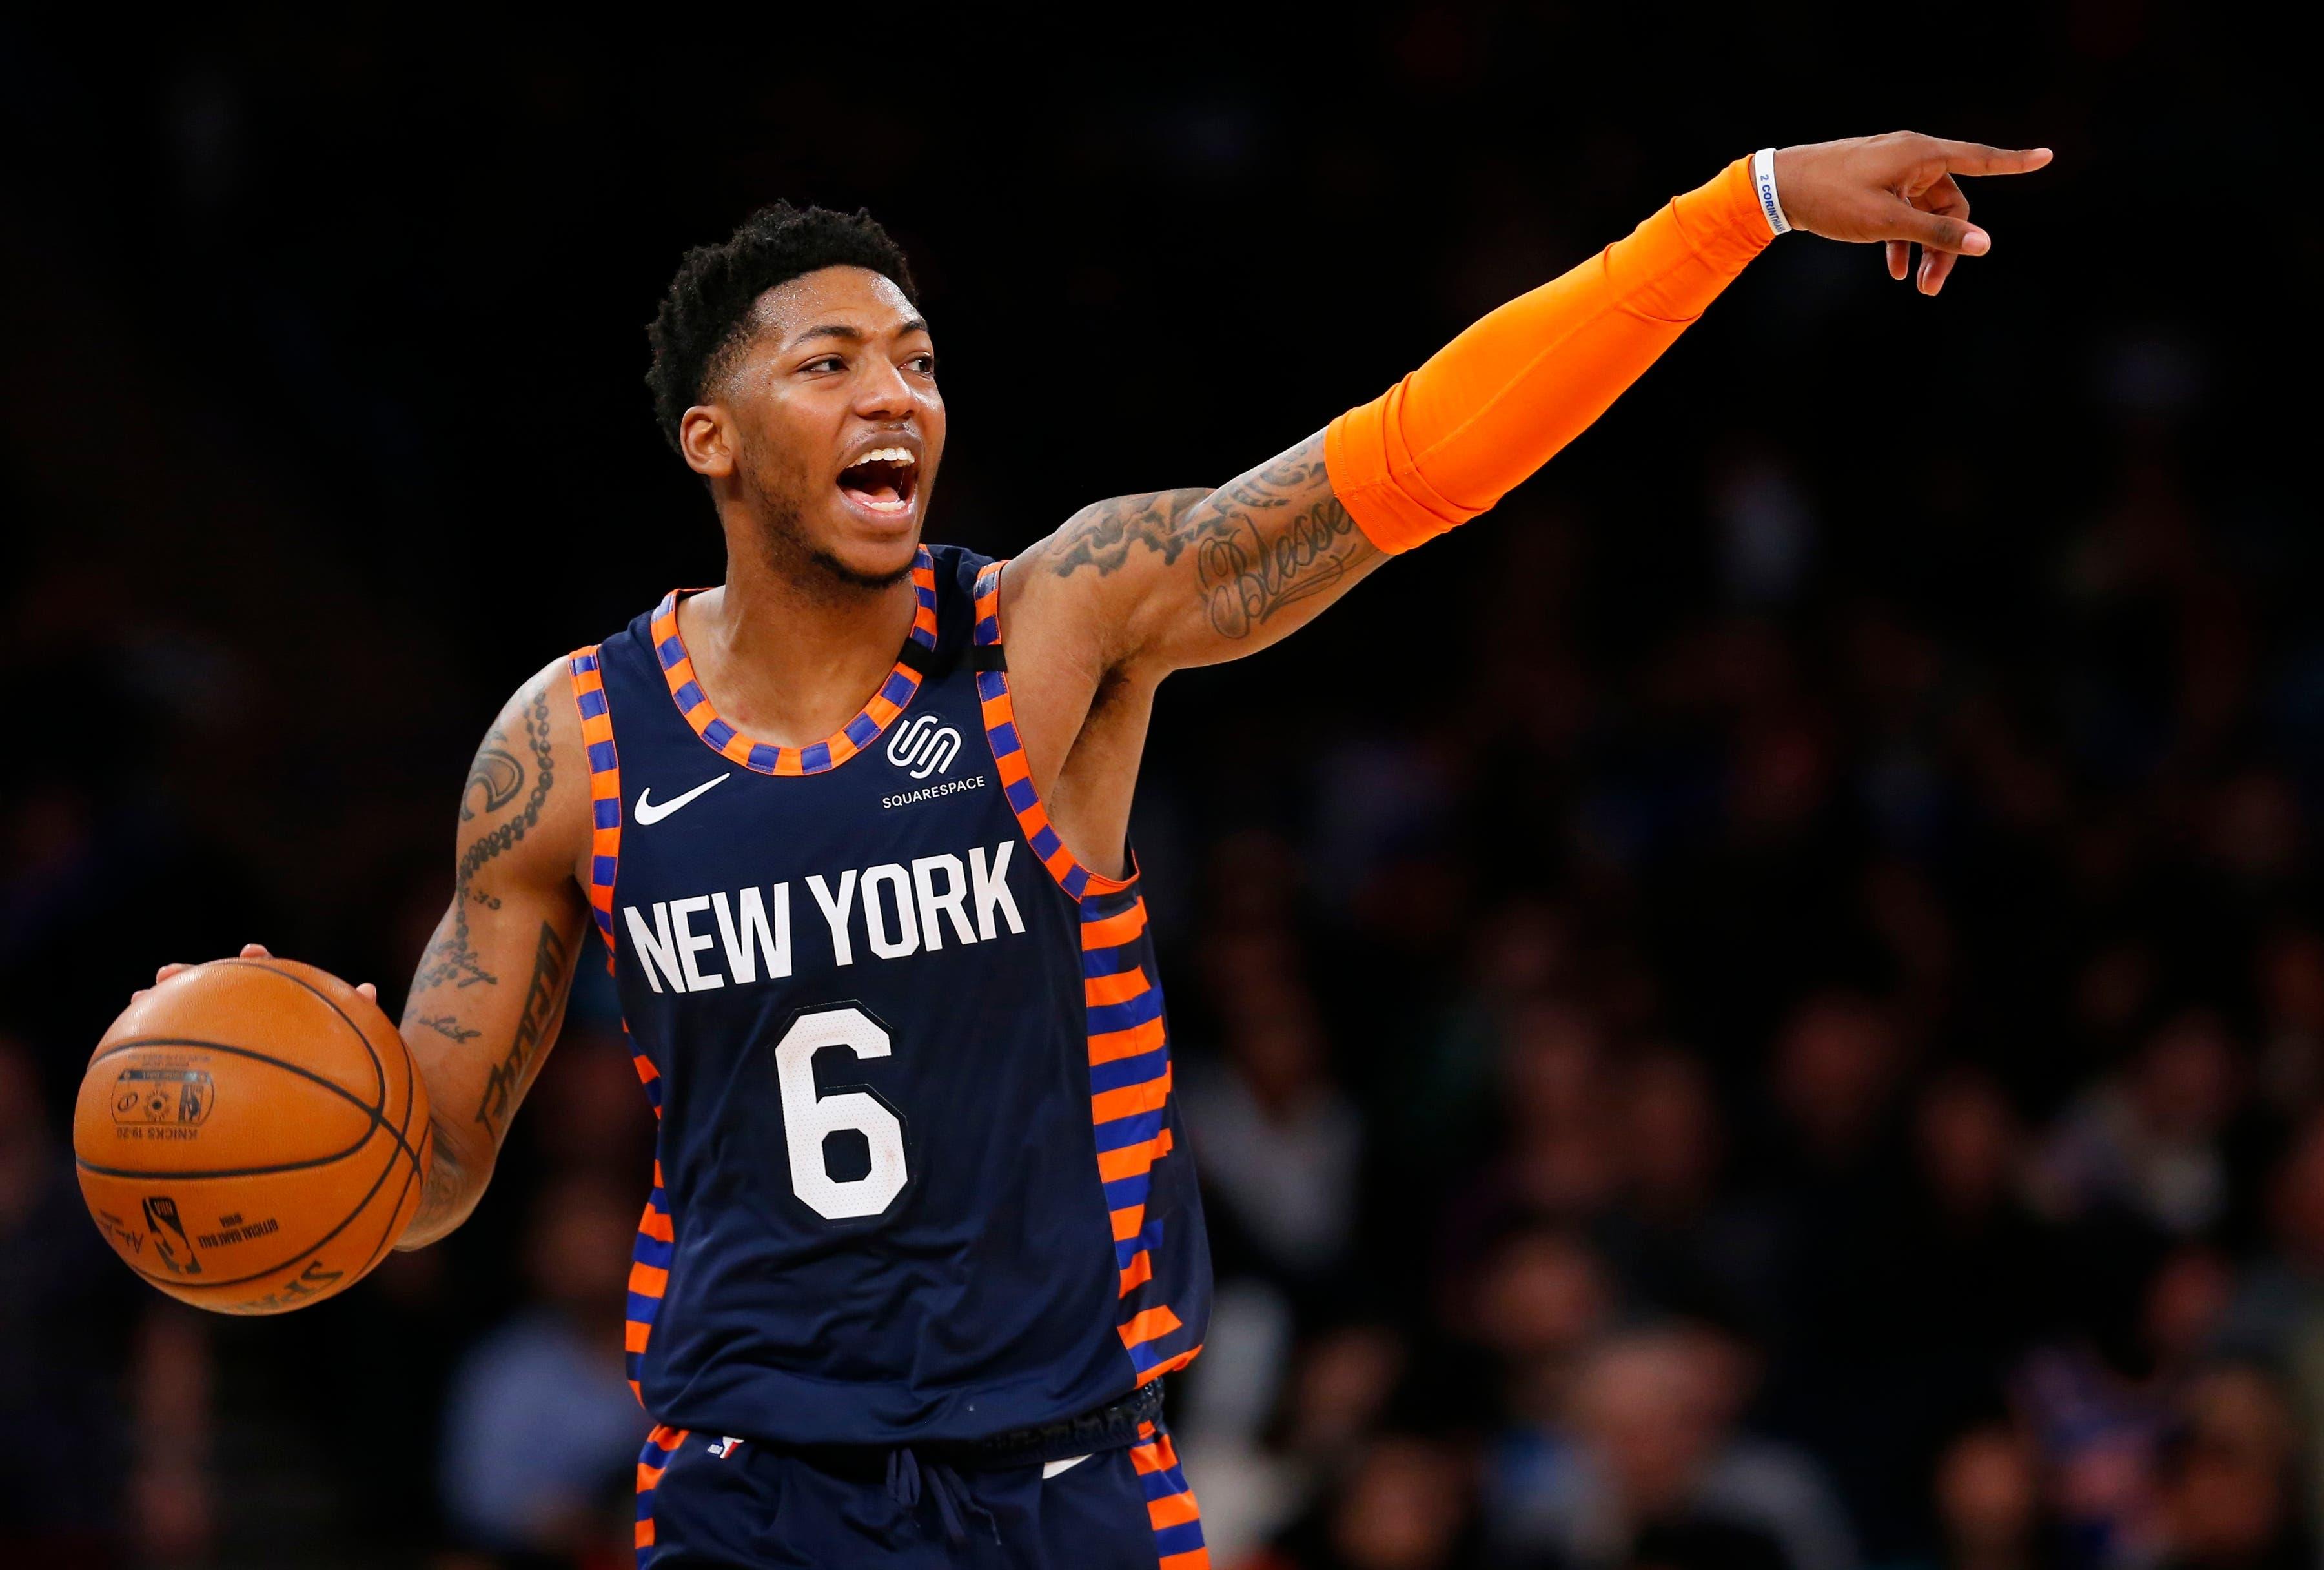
<point>605,788</point>
<point>1008,756</point>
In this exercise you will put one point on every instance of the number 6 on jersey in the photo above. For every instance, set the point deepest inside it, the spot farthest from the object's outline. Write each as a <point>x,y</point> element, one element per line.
<point>808,1119</point>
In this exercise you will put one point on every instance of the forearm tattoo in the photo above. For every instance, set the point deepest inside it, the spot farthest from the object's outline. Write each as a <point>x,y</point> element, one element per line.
<point>441,1193</point>
<point>1285,537</point>
<point>541,998</point>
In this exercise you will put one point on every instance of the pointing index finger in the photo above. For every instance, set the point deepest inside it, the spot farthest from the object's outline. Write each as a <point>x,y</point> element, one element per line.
<point>1977,158</point>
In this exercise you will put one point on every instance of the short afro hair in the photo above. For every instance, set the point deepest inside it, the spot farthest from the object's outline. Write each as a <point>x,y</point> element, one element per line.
<point>703,321</point>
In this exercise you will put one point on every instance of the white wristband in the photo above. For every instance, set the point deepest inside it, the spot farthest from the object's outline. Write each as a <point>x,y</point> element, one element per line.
<point>1762,176</point>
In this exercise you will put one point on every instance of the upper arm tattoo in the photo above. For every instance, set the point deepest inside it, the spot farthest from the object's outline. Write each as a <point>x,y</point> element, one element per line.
<point>498,773</point>
<point>1271,539</point>
<point>1101,536</point>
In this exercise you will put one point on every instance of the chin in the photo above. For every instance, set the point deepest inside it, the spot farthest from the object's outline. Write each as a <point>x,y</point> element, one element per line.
<point>873,563</point>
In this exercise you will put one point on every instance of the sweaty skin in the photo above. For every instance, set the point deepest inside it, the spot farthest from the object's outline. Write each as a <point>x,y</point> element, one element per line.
<point>816,599</point>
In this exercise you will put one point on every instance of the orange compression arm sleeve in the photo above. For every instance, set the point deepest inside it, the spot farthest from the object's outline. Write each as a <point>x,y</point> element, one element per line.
<point>1497,403</point>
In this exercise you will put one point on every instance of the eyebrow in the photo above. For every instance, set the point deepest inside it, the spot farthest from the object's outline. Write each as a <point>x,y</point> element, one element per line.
<point>853,335</point>
<point>830,331</point>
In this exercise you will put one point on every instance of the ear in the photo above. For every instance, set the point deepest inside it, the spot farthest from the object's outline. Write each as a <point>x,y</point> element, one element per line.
<point>706,435</point>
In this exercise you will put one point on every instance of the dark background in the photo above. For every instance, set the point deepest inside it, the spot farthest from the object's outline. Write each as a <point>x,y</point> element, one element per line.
<point>1762,1005</point>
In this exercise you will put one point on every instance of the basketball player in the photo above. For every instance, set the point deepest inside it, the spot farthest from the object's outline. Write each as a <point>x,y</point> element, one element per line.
<point>922,1235</point>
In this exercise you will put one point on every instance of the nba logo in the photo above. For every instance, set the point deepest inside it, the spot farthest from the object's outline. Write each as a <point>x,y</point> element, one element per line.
<point>163,1225</point>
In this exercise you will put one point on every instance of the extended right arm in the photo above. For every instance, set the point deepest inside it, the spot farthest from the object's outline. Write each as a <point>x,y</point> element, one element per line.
<point>1196,576</point>
<point>490,991</point>
<point>1132,589</point>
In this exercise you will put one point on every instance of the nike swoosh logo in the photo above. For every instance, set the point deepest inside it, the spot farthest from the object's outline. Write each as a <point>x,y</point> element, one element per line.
<point>649,813</point>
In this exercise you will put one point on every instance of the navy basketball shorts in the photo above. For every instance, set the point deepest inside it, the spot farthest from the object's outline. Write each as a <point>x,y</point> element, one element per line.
<point>710,1503</point>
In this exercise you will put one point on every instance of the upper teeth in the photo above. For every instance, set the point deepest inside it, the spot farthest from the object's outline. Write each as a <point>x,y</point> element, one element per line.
<point>886,455</point>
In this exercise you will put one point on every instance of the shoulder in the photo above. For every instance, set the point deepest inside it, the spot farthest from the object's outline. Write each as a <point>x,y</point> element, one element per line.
<point>527,794</point>
<point>546,710</point>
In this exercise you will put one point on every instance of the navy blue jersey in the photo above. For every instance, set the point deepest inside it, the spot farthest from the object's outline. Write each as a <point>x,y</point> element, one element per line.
<point>918,1173</point>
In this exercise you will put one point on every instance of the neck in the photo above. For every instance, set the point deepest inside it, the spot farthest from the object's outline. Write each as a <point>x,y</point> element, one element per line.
<point>789,653</point>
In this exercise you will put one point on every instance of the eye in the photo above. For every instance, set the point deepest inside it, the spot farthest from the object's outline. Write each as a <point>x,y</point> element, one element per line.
<point>925,365</point>
<point>826,363</point>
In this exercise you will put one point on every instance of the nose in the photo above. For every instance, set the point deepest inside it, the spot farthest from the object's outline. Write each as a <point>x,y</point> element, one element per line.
<point>882,393</point>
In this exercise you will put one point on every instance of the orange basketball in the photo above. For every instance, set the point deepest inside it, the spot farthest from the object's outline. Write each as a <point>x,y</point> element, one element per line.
<point>252,1136</point>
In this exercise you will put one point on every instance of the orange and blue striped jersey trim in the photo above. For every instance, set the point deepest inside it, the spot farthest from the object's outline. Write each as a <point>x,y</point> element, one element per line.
<point>1170,1507</point>
<point>604,788</point>
<point>660,1447</point>
<point>1130,1095</point>
<point>1008,756</point>
<point>650,1261</point>
<point>765,757</point>
<point>1129,1041</point>
<point>656,1243</point>
<point>650,1255</point>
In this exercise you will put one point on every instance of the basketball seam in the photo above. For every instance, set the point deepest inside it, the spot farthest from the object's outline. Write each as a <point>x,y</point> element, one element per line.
<point>214,1173</point>
<point>390,1233</point>
<point>378,1068</point>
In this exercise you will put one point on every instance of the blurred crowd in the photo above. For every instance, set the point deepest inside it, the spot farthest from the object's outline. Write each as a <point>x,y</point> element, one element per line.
<point>1763,1006</point>
<point>1774,1105</point>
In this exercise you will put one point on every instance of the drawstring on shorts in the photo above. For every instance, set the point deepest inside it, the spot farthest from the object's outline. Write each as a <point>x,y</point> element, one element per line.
<point>953,1501</point>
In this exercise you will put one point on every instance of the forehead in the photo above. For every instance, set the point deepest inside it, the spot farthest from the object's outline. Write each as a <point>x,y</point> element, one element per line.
<point>850,297</point>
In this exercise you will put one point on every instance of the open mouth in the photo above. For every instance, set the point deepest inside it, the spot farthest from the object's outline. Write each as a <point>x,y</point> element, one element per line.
<point>882,480</point>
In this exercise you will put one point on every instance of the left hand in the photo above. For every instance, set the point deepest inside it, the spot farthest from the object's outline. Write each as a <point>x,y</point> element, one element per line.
<point>1898,189</point>
<point>249,951</point>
